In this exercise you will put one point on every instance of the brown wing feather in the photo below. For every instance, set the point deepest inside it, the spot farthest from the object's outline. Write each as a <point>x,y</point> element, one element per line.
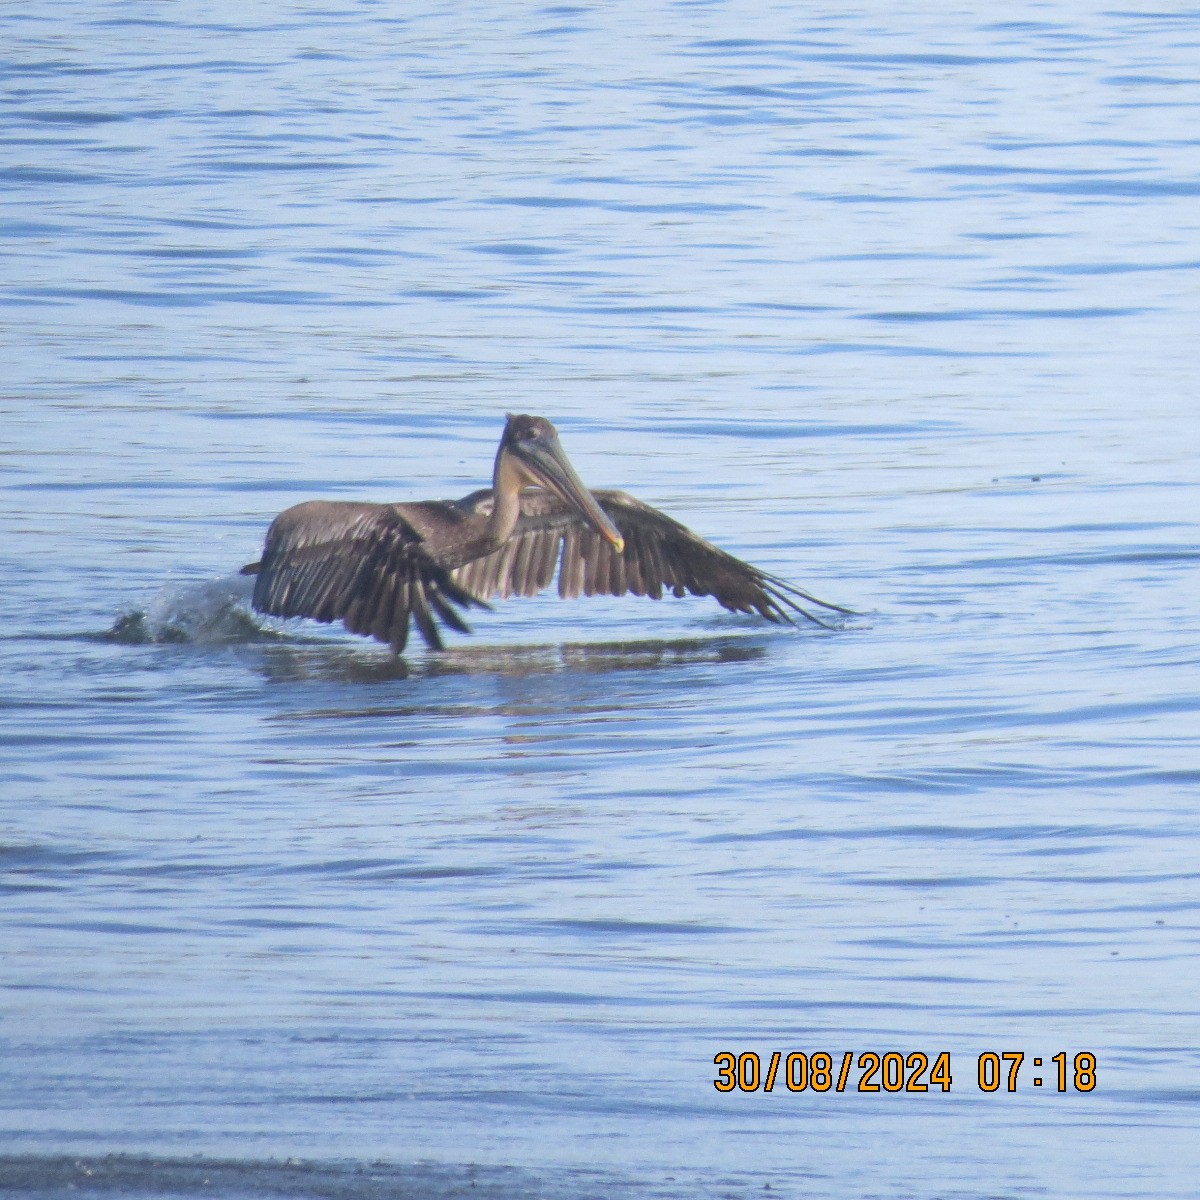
<point>660,554</point>
<point>362,564</point>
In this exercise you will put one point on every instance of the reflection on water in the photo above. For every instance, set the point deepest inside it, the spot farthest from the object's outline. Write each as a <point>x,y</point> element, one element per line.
<point>354,665</point>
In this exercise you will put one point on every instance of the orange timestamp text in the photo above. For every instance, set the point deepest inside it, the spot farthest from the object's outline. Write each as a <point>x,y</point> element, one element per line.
<point>895,1071</point>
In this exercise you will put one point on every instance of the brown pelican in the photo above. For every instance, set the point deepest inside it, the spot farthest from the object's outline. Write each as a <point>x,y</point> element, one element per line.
<point>375,567</point>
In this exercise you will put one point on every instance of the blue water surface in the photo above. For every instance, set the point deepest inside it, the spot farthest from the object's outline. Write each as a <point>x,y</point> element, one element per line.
<point>897,301</point>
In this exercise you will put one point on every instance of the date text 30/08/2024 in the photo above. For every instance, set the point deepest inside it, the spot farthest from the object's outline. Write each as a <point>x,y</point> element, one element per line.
<point>893,1071</point>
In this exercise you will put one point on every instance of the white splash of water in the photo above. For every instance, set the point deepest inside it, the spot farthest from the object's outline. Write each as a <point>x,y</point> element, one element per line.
<point>210,612</point>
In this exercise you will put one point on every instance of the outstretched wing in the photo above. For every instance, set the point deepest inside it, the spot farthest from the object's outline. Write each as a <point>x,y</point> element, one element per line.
<point>361,564</point>
<point>660,555</point>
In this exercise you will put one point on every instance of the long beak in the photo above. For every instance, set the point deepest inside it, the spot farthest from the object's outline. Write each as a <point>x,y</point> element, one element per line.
<point>547,460</point>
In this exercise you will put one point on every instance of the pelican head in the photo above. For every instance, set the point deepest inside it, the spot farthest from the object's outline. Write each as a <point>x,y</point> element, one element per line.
<point>532,445</point>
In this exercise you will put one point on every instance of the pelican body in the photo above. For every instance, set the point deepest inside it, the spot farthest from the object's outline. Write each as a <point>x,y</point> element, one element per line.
<point>379,567</point>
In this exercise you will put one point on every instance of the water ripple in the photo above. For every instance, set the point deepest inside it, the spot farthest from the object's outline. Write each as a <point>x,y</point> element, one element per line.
<point>896,305</point>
